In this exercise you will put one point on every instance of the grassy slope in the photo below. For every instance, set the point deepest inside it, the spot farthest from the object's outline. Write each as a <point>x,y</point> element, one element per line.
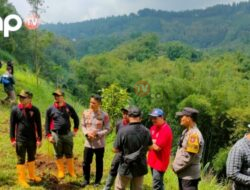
<point>42,98</point>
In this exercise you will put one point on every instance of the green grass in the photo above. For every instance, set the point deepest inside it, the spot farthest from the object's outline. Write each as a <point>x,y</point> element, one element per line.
<point>42,99</point>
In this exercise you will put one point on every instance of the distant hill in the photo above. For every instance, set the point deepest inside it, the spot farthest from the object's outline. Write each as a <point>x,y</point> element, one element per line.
<point>226,26</point>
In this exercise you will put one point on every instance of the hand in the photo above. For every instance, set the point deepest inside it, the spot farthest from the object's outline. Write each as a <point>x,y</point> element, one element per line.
<point>91,134</point>
<point>38,144</point>
<point>51,140</point>
<point>74,133</point>
<point>13,143</point>
<point>154,141</point>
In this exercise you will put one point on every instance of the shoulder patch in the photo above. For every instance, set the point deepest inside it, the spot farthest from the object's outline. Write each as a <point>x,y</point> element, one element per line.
<point>193,143</point>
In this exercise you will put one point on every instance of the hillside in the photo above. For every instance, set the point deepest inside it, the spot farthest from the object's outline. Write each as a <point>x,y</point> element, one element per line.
<point>224,26</point>
<point>208,69</point>
<point>45,160</point>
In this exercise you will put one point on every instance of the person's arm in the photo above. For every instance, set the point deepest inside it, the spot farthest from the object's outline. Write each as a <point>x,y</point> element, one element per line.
<point>117,143</point>
<point>75,117</point>
<point>150,141</point>
<point>182,161</point>
<point>164,139</point>
<point>106,127</point>
<point>184,156</point>
<point>234,166</point>
<point>47,123</point>
<point>13,124</point>
<point>12,79</point>
<point>84,126</point>
<point>38,126</point>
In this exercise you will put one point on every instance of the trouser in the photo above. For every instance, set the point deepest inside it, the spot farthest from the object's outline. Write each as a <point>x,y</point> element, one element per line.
<point>113,171</point>
<point>185,184</point>
<point>157,179</point>
<point>63,145</point>
<point>115,164</point>
<point>11,97</point>
<point>87,160</point>
<point>122,182</point>
<point>22,148</point>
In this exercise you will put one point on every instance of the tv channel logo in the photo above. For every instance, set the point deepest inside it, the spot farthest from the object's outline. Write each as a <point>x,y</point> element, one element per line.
<point>32,22</point>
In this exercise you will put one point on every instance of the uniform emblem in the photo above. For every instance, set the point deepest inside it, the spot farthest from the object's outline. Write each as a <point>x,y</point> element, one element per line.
<point>193,143</point>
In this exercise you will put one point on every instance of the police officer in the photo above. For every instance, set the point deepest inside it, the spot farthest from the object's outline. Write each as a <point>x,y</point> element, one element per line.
<point>95,126</point>
<point>187,160</point>
<point>26,135</point>
<point>59,134</point>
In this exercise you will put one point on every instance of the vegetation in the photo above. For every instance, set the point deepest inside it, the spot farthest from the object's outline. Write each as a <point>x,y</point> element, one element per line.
<point>224,27</point>
<point>197,67</point>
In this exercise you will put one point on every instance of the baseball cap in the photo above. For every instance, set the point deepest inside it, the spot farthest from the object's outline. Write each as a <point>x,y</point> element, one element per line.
<point>187,111</point>
<point>58,92</point>
<point>25,94</point>
<point>134,112</point>
<point>157,112</point>
<point>126,108</point>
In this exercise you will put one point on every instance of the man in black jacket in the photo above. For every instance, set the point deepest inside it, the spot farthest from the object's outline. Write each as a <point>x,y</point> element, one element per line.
<point>59,134</point>
<point>133,143</point>
<point>26,135</point>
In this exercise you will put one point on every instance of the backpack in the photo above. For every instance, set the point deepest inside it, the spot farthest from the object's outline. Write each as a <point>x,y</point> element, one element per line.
<point>5,80</point>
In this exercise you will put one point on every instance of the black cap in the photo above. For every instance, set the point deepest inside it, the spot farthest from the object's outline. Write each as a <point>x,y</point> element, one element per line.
<point>125,109</point>
<point>188,112</point>
<point>134,112</point>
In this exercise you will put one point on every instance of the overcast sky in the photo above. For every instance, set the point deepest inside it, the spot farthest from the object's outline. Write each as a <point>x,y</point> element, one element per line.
<point>79,10</point>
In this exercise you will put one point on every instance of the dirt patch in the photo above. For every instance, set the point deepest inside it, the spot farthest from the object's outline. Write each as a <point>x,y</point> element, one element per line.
<point>46,169</point>
<point>46,165</point>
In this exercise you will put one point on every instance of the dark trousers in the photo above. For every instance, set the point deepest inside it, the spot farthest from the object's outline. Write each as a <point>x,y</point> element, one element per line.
<point>185,184</point>
<point>87,160</point>
<point>22,148</point>
<point>63,145</point>
<point>115,164</point>
<point>157,179</point>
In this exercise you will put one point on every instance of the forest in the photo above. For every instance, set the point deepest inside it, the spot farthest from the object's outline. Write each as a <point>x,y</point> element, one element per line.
<point>196,58</point>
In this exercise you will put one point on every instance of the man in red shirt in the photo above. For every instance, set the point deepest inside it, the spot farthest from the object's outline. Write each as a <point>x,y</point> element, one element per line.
<point>159,153</point>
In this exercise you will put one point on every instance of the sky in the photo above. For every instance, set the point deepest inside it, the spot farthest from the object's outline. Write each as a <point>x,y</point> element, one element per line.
<point>67,11</point>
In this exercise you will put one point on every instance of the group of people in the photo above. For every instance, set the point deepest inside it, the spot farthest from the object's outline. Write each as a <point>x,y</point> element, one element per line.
<point>136,147</point>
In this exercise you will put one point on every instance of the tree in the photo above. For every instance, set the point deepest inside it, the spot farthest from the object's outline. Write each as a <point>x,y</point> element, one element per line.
<point>113,99</point>
<point>36,9</point>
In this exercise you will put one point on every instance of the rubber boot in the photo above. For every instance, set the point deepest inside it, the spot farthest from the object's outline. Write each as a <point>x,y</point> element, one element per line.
<point>32,173</point>
<point>60,168</point>
<point>21,176</point>
<point>70,165</point>
<point>109,182</point>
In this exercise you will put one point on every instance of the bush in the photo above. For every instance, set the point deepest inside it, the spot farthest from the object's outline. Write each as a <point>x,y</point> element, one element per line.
<point>219,162</point>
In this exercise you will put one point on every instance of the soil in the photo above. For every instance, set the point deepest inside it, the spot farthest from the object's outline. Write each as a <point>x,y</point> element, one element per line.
<point>46,169</point>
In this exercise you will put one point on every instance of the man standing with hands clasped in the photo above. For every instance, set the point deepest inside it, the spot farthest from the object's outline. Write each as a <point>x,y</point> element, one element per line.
<point>95,126</point>
<point>159,154</point>
<point>59,134</point>
<point>188,156</point>
<point>26,135</point>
